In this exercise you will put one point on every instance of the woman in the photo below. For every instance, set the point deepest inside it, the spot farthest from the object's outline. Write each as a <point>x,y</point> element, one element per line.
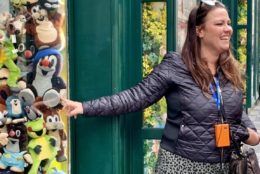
<point>196,85</point>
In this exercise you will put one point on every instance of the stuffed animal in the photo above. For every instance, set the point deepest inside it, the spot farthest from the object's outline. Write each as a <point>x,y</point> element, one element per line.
<point>19,5</point>
<point>4,74</point>
<point>45,34</point>
<point>15,110</point>
<point>3,130</point>
<point>4,94</point>
<point>7,57</point>
<point>42,147</point>
<point>55,128</point>
<point>4,17</point>
<point>3,118</point>
<point>44,81</point>
<point>15,155</point>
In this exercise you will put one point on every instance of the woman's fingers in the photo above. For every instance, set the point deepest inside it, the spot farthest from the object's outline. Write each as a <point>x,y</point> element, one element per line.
<point>71,107</point>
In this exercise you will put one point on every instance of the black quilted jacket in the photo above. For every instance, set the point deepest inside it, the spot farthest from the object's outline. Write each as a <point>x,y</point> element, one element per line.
<point>189,129</point>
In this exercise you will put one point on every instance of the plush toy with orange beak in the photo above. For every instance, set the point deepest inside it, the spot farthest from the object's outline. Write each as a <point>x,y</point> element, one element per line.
<point>44,80</point>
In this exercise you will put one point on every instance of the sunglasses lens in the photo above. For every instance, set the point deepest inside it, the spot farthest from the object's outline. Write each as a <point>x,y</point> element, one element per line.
<point>209,2</point>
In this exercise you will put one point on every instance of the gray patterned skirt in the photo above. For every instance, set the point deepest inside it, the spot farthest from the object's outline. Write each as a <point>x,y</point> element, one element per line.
<point>169,163</point>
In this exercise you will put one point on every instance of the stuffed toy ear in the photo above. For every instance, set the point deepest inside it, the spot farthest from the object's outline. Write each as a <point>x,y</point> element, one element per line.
<point>51,98</point>
<point>27,96</point>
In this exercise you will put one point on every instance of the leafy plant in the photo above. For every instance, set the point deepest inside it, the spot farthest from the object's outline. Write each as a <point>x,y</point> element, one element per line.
<point>154,43</point>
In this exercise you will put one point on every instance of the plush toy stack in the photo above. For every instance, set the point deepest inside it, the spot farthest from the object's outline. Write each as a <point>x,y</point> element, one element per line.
<point>32,134</point>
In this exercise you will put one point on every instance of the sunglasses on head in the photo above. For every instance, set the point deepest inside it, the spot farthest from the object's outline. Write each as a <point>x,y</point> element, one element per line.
<point>210,3</point>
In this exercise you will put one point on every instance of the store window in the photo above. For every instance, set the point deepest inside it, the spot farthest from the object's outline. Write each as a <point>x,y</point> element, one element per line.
<point>33,68</point>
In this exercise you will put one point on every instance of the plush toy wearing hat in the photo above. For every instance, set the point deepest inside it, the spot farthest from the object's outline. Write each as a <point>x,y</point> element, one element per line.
<point>44,80</point>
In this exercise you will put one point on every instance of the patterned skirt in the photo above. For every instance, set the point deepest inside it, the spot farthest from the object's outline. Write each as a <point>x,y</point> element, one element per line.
<point>169,163</point>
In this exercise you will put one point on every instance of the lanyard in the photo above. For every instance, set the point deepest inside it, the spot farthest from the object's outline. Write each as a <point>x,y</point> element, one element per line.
<point>216,94</point>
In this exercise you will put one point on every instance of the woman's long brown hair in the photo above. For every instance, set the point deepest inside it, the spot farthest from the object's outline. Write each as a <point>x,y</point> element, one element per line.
<point>192,57</point>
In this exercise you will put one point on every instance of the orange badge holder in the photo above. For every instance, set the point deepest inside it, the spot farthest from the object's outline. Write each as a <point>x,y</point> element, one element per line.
<point>222,135</point>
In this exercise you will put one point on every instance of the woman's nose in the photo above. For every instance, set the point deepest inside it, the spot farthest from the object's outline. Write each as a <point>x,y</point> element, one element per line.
<point>228,28</point>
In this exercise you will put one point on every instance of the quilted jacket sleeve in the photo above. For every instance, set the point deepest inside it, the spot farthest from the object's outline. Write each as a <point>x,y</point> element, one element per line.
<point>148,91</point>
<point>247,122</point>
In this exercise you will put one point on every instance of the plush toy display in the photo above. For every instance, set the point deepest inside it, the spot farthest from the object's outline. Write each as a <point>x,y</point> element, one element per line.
<point>15,155</point>
<point>31,40</point>
<point>42,147</point>
<point>7,57</point>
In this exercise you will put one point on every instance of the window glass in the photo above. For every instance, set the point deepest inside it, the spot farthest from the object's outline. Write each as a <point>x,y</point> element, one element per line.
<point>154,48</point>
<point>151,149</point>
<point>184,8</point>
<point>242,12</point>
<point>33,61</point>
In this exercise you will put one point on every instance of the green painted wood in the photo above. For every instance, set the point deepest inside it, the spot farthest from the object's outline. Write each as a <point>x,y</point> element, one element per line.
<point>72,86</point>
<point>105,58</point>
<point>152,133</point>
<point>249,55</point>
<point>92,58</point>
<point>172,25</point>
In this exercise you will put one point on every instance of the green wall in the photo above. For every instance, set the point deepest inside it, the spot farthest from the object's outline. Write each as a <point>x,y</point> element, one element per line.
<point>105,57</point>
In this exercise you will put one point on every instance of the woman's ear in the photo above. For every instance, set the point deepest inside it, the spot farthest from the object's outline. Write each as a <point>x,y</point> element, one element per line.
<point>199,31</point>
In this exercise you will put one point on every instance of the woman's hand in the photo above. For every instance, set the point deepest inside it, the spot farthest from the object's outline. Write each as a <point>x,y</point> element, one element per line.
<point>253,139</point>
<point>72,108</point>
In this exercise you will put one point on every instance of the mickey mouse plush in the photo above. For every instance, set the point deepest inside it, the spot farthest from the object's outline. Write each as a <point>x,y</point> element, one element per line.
<point>44,80</point>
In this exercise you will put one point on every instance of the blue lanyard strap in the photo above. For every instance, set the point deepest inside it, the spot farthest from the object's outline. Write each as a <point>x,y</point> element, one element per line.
<point>216,94</point>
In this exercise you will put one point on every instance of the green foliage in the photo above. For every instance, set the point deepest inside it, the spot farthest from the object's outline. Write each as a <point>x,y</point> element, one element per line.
<point>154,45</point>
<point>150,157</point>
<point>154,39</point>
<point>242,12</point>
<point>242,37</point>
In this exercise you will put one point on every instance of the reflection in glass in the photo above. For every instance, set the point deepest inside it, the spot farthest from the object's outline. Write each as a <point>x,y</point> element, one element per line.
<point>242,12</point>
<point>184,8</point>
<point>154,48</point>
<point>151,148</point>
